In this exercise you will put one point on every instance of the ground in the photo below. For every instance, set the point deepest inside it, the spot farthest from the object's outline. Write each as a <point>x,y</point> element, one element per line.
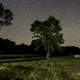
<point>59,68</point>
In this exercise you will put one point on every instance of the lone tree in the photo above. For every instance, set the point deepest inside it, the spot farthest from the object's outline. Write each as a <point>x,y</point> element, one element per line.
<point>48,32</point>
<point>6,16</point>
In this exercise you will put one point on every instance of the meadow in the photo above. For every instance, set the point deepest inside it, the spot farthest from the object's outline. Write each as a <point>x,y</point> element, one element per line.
<point>35,68</point>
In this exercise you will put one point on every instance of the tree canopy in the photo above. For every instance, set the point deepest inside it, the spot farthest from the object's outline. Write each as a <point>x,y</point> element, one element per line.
<point>6,16</point>
<point>49,33</point>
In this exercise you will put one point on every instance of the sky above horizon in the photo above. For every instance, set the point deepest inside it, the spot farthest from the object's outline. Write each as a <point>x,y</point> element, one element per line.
<point>27,11</point>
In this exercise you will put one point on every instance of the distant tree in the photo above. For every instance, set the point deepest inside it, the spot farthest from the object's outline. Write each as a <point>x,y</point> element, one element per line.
<point>48,32</point>
<point>71,50</point>
<point>38,47</point>
<point>6,45</point>
<point>22,49</point>
<point>6,16</point>
<point>35,44</point>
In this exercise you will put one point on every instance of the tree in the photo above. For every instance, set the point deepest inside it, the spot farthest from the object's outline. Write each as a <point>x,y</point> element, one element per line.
<point>49,33</point>
<point>6,16</point>
<point>37,48</point>
<point>6,45</point>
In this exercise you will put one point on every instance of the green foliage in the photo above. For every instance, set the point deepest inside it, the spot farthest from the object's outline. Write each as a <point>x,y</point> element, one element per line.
<point>6,16</point>
<point>48,32</point>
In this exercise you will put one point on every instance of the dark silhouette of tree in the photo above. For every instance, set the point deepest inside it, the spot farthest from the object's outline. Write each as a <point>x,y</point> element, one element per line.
<point>9,47</point>
<point>48,32</point>
<point>37,48</point>
<point>70,50</point>
<point>22,49</point>
<point>6,46</point>
<point>6,16</point>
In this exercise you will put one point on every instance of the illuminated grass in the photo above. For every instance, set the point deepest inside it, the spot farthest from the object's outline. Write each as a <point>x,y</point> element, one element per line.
<point>52,69</point>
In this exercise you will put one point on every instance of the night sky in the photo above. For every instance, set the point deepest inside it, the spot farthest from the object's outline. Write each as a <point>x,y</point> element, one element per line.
<point>26,11</point>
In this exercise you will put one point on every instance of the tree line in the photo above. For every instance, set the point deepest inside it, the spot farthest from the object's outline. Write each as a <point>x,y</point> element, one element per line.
<point>10,47</point>
<point>47,38</point>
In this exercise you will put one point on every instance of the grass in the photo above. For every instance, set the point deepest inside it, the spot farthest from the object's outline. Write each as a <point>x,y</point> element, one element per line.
<point>59,68</point>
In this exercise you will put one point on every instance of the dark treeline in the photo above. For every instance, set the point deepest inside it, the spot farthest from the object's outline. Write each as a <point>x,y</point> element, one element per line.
<point>9,47</point>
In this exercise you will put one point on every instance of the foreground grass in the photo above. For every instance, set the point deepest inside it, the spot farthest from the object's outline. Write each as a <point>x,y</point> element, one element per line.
<point>65,68</point>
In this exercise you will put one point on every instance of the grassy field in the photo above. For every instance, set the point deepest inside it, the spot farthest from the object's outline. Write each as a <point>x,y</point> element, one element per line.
<point>64,68</point>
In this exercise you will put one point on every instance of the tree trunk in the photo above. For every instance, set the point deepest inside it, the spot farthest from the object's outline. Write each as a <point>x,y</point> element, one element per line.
<point>48,52</point>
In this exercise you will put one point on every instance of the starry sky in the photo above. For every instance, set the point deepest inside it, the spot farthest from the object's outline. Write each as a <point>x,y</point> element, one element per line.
<point>27,11</point>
